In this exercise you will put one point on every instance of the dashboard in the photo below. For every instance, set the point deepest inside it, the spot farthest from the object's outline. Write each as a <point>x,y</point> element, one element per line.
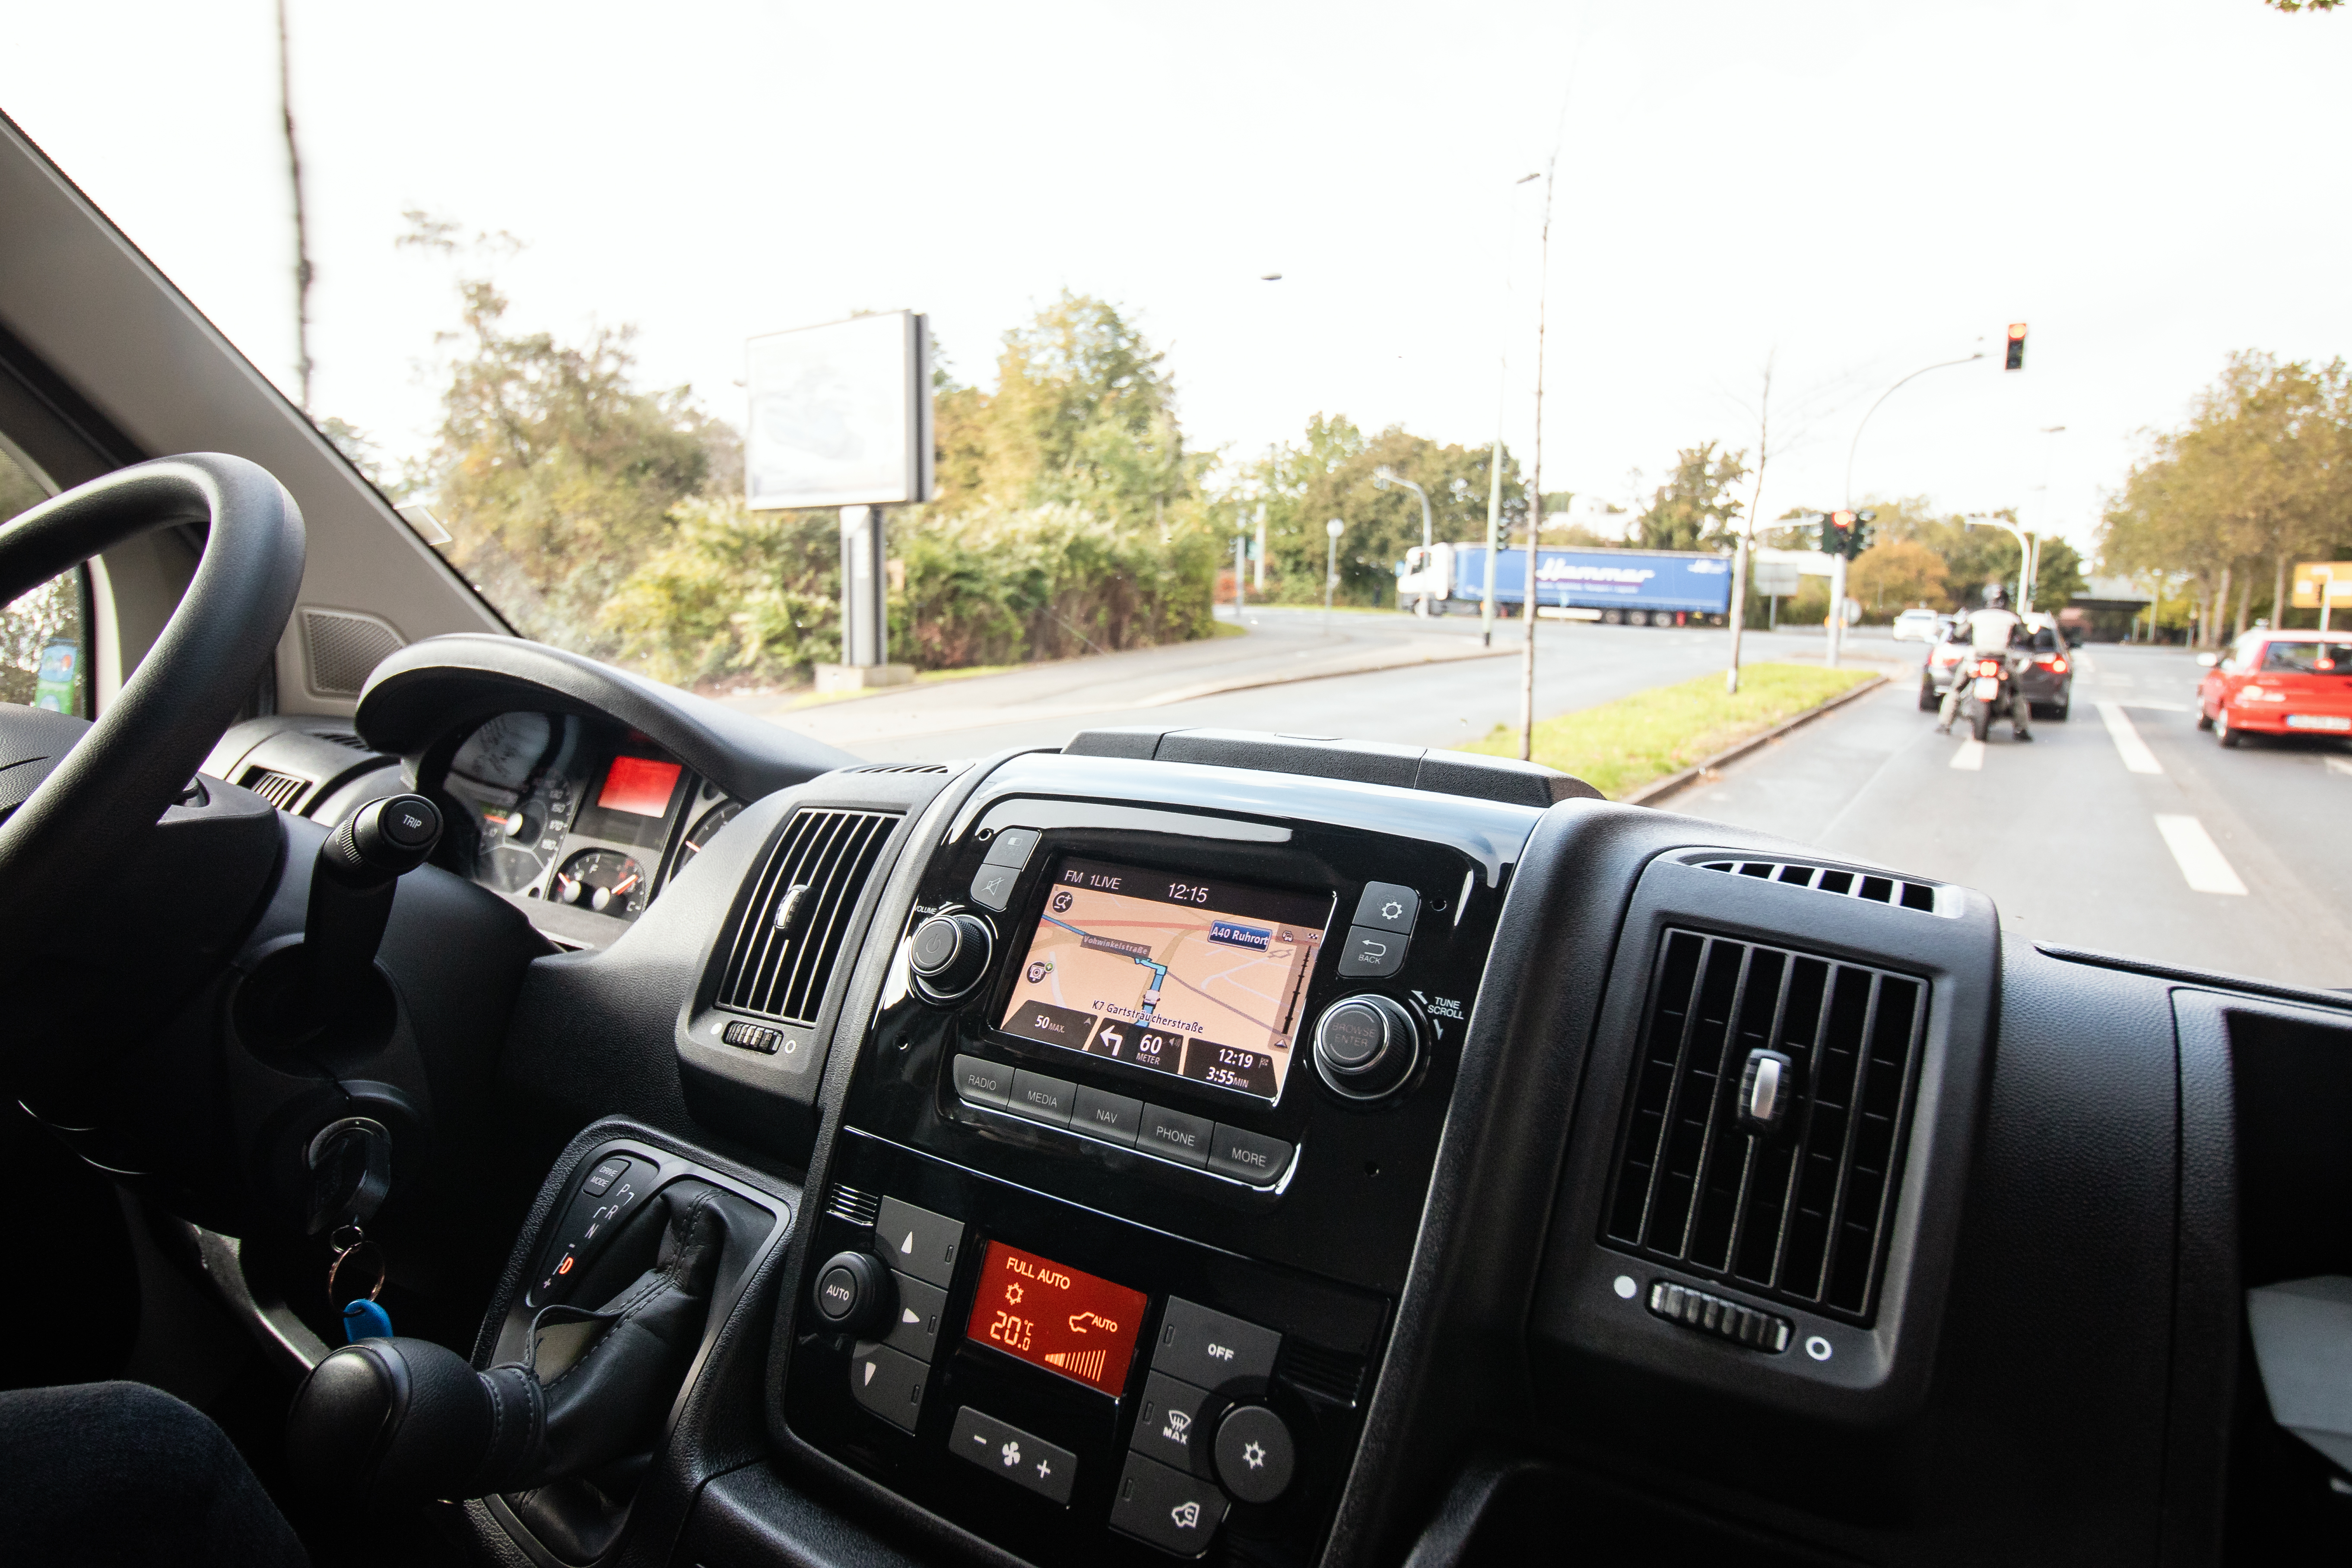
<point>1221,1147</point>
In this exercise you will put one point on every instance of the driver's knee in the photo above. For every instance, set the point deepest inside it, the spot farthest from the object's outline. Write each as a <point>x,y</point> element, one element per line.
<point>120,1472</point>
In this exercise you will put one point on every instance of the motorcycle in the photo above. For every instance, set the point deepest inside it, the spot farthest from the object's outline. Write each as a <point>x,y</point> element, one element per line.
<point>1989,690</point>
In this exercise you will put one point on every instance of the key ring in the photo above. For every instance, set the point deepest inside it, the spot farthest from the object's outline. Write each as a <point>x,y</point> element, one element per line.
<point>343,1254</point>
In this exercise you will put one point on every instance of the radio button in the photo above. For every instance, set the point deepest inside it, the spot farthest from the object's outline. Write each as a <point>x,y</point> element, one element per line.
<point>889,1384</point>
<point>1176,1512</point>
<point>916,1241</point>
<point>1176,1136</point>
<point>1101,1114</point>
<point>1388,906</point>
<point>1209,1350</point>
<point>1041,1098</point>
<point>1010,847</point>
<point>1252,1156</point>
<point>1371,953</point>
<point>987,1082</point>
<point>1170,1427</point>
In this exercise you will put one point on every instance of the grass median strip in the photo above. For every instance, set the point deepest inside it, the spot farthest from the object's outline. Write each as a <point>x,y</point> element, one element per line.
<point>1619,746</point>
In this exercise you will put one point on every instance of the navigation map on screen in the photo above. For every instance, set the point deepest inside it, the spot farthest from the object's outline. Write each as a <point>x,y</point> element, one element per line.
<point>1201,978</point>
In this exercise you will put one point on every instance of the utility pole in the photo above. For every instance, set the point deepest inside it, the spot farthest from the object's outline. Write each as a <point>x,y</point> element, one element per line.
<point>1331,567</point>
<point>302,274</point>
<point>1494,535</point>
<point>1241,594</point>
<point>1257,572</point>
<point>1535,476</point>
<point>1382,478</point>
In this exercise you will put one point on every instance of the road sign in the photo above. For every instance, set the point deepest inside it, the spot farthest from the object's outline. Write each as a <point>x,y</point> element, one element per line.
<point>1778,579</point>
<point>2310,575</point>
<point>841,415</point>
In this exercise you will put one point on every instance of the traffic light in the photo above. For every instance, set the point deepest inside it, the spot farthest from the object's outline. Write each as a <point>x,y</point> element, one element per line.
<point>2016,346</point>
<point>1846,533</point>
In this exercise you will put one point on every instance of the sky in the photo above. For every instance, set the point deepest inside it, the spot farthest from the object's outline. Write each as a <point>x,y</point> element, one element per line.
<point>1846,191</point>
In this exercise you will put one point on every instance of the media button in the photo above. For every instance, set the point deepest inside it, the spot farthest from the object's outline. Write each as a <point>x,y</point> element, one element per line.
<point>1101,1114</point>
<point>1006,1450</point>
<point>1209,1350</point>
<point>1252,1156</point>
<point>1168,1508</point>
<point>1171,1426</point>
<point>987,1082</point>
<point>1388,906</point>
<point>1371,953</point>
<point>1176,1136</point>
<point>1041,1098</point>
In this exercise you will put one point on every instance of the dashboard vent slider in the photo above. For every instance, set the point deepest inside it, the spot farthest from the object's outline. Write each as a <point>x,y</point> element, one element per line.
<point>781,957</point>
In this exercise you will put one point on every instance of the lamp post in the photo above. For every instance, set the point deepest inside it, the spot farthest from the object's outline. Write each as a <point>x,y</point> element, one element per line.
<point>2024,552</point>
<point>1331,567</point>
<point>1837,563</point>
<point>1382,478</point>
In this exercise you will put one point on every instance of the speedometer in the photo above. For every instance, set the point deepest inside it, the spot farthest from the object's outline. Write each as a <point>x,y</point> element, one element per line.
<point>605,880</point>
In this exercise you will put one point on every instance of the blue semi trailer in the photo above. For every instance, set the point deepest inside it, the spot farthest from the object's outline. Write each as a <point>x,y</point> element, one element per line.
<point>1643,587</point>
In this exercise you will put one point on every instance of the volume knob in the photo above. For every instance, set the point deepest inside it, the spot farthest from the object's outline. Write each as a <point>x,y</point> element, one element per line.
<point>949,955</point>
<point>1366,1044</point>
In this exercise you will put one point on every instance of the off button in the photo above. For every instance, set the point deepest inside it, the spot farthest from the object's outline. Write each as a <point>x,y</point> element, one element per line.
<point>1209,1349</point>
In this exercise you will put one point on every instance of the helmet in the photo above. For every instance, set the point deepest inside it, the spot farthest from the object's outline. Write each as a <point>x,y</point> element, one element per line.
<point>1996,597</point>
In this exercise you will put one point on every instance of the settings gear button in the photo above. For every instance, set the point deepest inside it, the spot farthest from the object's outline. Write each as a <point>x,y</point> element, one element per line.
<point>1388,906</point>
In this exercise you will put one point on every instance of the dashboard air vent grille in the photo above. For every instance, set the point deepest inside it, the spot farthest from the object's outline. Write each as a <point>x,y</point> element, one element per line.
<point>1334,1374</point>
<point>783,954</point>
<point>343,738</point>
<point>1797,1208</point>
<point>1829,880</point>
<point>858,1208</point>
<point>280,790</point>
<point>898,768</point>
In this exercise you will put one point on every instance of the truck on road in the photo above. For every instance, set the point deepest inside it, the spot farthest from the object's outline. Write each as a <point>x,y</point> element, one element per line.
<point>1637,587</point>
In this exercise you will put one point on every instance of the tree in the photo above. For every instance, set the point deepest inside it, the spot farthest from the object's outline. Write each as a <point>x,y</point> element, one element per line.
<point>1894,573</point>
<point>1695,508</point>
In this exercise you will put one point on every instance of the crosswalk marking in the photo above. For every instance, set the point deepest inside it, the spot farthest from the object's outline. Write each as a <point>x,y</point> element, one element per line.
<point>2201,860</point>
<point>2134,750</point>
<point>1970,755</point>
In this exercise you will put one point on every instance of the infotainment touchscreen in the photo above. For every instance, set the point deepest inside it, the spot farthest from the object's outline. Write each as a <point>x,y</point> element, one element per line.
<point>1192,976</point>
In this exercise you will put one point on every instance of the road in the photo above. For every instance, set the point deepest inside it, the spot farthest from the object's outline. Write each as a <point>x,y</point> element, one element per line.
<point>1432,688</point>
<point>2124,830</point>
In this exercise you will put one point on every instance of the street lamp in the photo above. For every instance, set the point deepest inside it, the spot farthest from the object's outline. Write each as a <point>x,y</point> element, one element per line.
<point>2024,555</point>
<point>1331,567</point>
<point>1837,562</point>
<point>1382,478</point>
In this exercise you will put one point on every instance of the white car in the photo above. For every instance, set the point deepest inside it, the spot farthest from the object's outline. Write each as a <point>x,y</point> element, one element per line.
<point>1918,624</point>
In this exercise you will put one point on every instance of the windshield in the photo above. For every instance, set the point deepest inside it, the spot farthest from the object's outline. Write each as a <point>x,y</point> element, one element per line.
<point>1609,386</point>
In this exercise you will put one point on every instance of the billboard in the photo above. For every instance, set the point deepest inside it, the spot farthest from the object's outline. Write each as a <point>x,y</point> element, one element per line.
<point>2310,575</point>
<point>840,414</point>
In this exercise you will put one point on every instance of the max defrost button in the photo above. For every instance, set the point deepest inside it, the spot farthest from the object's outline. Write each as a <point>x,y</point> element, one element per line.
<point>916,1241</point>
<point>1008,1451</point>
<point>888,1383</point>
<point>1388,906</point>
<point>1177,1136</point>
<point>1371,954</point>
<point>1041,1098</point>
<point>1168,1427</point>
<point>1101,1114</point>
<point>1209,1350</point>
<point>1252,1156</point>
<point>989,1083</point>
<point>1170,1509</point>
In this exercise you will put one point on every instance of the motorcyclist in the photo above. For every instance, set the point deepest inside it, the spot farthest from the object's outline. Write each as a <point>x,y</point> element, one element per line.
<point>1996,628</point>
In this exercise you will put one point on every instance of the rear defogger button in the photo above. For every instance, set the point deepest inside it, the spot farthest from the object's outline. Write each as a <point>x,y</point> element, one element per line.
<point>1209,1350</point>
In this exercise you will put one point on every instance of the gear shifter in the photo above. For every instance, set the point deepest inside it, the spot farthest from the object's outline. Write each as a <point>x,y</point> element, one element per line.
<point>351,885</point>
<point>390,1421</point>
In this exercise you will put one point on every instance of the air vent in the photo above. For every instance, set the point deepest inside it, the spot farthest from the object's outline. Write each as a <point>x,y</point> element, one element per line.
<point>343,738</point>
<point>1829,880</point>
<point>1797,1211</point>
<point>898,768</point>
<point>783,953</point>
<point>1336,1375</point>
<point>858,1208</point>
<point>280,790</point>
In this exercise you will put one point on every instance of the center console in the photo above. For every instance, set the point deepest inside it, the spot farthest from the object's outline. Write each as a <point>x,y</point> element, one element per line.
<point>1132,1157</point>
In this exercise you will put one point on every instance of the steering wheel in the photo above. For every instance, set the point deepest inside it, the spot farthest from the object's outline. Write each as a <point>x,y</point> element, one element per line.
<point>76,799</point>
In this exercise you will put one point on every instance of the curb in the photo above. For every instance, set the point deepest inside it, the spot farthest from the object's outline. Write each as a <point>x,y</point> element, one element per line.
<point>1658,789</point>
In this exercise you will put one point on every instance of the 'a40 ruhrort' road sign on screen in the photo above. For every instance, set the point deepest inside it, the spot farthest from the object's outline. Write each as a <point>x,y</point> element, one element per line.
<point>840,414</point>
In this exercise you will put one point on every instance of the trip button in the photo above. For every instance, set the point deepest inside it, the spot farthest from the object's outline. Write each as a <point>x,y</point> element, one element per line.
<point>992,886</point>
<point>1168,1427</point>
<point>1210,1350</point>
<point>1168,1508</point>
<point>1371,954</point>
<point>1176,1135</point>
<point>916,1241</point>
<point>1006,1450</point>
<point>987,1082</point>
<point>1252,1156</point>
<point>1101,1114</point>
<point>915,1322</point>
<point>1010,847</point>
<point>1041,1098</point>
<point>1388,906</point>
<point>888,1383</point>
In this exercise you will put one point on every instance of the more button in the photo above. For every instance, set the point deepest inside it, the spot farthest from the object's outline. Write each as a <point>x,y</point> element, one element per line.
<point>1252,1156</point>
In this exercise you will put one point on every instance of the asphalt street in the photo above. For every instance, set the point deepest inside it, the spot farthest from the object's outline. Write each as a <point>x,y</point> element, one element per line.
<point>1433,690</point>
<point>2124,830</point>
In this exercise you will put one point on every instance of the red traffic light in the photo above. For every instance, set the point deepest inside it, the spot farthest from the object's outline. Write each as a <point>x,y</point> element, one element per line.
<point>2016,360</point>
<point>2017,332</point>
<point>1841,520</point>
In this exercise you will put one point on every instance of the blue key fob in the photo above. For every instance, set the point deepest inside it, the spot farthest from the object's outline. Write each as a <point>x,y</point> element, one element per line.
<point>363,1320</point>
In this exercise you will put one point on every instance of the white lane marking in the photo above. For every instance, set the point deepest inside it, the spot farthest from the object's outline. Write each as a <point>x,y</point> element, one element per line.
<point>1970,755</point>
<point>2134,750</point>
<point>2202,861</point>
<point>2337,764</point>
<point>2154,705</point>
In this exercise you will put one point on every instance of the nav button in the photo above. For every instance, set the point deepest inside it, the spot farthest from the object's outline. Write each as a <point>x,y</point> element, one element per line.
<point>1101,1114</point>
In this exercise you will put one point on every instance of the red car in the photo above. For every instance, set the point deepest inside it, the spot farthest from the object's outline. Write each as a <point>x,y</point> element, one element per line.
<point>2278,683</point>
